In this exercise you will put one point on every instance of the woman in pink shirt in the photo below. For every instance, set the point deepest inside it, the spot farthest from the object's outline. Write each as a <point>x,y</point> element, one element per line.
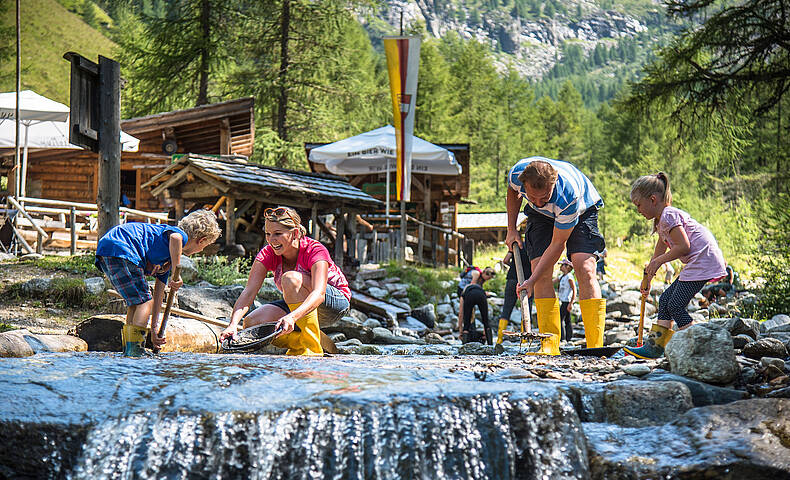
<point>679,237</point>
<point>315,291</point>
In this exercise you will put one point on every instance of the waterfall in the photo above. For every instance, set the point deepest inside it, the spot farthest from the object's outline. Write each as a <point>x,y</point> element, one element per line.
<point>499,436</point>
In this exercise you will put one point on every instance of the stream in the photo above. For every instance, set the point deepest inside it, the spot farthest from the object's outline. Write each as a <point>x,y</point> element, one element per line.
<point>183,416</point>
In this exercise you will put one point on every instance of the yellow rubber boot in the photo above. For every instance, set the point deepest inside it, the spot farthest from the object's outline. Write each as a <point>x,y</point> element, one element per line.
<point>501,330</point>
<point>548,310</point>
<point>594,319</point>
<point>133,340</point>
<point>654,345</point>
<point>306,342</point>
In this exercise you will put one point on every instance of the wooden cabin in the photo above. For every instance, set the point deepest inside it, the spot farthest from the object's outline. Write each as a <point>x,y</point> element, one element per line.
<point>72,175</point>
<point>434,204</point>
<point>486,227</point>
<point>243,190</point>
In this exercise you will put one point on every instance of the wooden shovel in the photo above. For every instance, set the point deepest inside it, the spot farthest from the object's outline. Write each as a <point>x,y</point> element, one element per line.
<point>170,297</point>
<point>526,312</point>
<point>645,285</point>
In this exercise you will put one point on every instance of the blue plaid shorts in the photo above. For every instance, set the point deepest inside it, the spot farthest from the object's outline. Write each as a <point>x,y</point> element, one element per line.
<point>127,278</point>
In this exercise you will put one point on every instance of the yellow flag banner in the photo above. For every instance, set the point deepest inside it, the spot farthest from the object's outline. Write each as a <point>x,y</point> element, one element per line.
<point>403,63</point>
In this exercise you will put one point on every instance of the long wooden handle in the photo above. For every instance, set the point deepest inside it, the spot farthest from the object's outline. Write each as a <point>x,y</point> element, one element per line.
<point>645,285</point>
<point>526,314</point>
<point>168,306</point>
<point>184,313</point>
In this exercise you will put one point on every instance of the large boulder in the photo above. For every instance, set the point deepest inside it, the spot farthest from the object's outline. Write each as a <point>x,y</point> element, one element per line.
<point>743,439</point>
<point>638,404</point>
<point>22,343</point>
<point>702,394</point>
<point>704,352</point>
<point>413,324</point>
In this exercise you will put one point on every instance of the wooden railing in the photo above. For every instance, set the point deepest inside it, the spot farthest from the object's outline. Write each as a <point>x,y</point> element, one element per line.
<point>383,243</point>
<point>74,225</point>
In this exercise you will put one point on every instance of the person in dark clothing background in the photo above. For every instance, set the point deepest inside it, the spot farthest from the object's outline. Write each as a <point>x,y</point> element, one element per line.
<point>510,285</point>
<point>474,294</point>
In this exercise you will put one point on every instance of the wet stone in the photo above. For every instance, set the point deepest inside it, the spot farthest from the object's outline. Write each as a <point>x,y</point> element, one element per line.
<point>703,352</point>
<point>740,341</point>
<point>765,347</point>
<point>636,369</point>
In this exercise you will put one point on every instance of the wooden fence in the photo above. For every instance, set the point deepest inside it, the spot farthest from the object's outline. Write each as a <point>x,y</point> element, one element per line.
<point>54,224</point>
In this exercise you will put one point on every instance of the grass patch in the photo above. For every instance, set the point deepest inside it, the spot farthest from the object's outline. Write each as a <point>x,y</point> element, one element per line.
<point>4,327</point>
<point>425,283</point>
<point>219,270</point>
<point>80,264</point>
<point>62,292</point>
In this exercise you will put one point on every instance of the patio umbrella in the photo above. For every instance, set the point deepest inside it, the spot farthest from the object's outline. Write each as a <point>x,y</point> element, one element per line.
<point>374,152</point>
<point>46,126</point>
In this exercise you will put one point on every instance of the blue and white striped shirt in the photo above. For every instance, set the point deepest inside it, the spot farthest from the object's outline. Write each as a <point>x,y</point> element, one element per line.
<point>573,193</point>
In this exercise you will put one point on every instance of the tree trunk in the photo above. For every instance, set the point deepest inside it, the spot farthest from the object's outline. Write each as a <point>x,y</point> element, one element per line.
<point>205,10</point>
<point>282,107</point>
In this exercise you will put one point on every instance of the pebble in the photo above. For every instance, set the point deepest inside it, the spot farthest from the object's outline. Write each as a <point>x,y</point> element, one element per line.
<point>636,369</point>
<point>777,362</point>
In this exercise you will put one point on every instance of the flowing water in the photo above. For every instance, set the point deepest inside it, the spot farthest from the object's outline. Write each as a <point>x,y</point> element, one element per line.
<point>95,416</point>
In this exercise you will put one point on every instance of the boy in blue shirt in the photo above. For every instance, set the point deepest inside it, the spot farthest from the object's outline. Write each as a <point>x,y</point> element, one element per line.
<point>129,252</point>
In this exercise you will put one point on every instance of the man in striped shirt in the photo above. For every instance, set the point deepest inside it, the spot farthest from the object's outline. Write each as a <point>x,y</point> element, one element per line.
<point>562,210</point>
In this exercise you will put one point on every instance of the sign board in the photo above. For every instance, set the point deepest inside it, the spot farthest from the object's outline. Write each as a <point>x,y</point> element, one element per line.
<point>84,102</point>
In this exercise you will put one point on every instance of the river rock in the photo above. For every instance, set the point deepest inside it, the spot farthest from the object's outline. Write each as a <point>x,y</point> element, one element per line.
<point>777,362</point>
<point>371,323</point>
<point>633,403</point>
<point>426,314</point>
<point>703,352</point>
<point>402,303</point>
<point>351,328</point>
<point>628,303</point>
<point>348,343</point>
<point>383,336</point>
<point>434,338</point>
<point>739,326</point>
<point>395,286</point>
<point>702,394</point>
<point>475,348</point>
<point>35,287</point>
<point>617,335</point>
<point>412,323</point>
<point>765,347</point>
<point>740,341</point>
<point>358,315</point>
<point>359,350</point>
<point>444,309</point>
<point>95,285</point>
<point>337,337</point>
<point>189,272</point>
<point>22,343</point>
<point>775,321</point>
<point>378,293</point>
<point>635,369</point>
<point>213,302</point>
<point>743,439</point>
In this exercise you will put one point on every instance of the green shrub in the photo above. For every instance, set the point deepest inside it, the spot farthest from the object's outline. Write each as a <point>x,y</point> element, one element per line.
<point>219,270</point>
<point>4,327</point>
<point>425,282</point>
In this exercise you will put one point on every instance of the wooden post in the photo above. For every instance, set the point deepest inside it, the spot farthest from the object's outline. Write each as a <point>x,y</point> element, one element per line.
<point>314,222</point>
<point>224,137</point>
<point>351,235</point>
<point>340,229</point>
<point>73,230</point>
<point>402,246</point>
<point>446,250</point>
<point>179,206</point>
<point>420,241</point>
<point>255,218</point>
<point>109,144</point>
<point>39,242</point>
<point>434,234</point>
<point>230,219</point>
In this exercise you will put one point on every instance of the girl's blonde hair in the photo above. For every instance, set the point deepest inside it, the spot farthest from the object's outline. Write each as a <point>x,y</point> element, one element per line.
<point>290,219</point>
<point>648,185</point>
<point>200,224</point>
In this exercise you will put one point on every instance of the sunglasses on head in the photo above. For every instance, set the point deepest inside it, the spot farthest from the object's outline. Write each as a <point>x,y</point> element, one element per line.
<point>279,213</point>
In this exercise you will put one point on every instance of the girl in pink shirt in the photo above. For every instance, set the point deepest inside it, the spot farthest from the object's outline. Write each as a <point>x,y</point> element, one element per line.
<point>315,291</point>
<point>679,237</point>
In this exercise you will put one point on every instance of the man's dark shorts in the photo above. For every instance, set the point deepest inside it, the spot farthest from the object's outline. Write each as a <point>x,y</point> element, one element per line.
<point>585,237</point>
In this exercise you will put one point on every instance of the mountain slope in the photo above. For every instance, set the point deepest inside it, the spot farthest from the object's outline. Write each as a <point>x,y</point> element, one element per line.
<point>48,31</point>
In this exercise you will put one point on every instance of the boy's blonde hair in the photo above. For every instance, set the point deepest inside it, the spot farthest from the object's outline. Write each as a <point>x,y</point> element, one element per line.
<point>648,185</point>
<point>199,224</point>
<point>539,175</point>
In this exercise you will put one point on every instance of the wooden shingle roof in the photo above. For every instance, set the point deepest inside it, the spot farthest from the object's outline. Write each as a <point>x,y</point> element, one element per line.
<point>236,178</point>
